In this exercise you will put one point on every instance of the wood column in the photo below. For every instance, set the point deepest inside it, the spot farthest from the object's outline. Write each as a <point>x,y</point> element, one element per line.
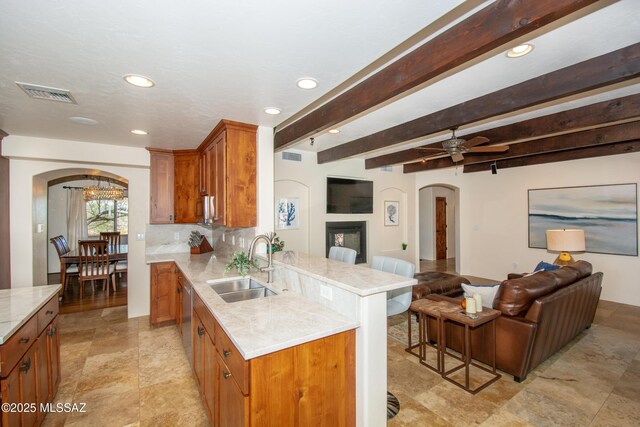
<point>5,250</point>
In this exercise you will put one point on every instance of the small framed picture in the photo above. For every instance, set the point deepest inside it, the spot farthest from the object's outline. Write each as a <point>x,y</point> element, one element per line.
<point>287,213</point>
<point>391,210</point>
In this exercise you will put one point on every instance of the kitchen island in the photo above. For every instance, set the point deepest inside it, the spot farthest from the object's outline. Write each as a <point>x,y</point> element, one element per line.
<point>317,298</point>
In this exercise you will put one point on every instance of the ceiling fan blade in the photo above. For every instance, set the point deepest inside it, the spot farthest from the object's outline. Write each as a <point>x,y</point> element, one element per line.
<point>457,157</point>
<point>430,149</point>
<point>490,149</point>
<point>475,141</point>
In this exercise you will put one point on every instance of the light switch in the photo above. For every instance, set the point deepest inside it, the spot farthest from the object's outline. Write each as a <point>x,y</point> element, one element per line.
<point>40,228</point>
<point>140,236</point>
<point>176,235</point>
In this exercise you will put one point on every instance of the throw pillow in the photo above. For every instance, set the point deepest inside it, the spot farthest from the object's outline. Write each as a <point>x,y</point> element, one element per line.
<point>545,266</point>
<point>487,292</point>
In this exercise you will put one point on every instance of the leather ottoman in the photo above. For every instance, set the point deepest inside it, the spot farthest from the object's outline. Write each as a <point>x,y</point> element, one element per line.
<point>436,282</point>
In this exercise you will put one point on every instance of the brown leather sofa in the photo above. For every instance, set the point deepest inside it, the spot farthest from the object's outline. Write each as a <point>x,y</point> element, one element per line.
<point>437,282</point>
<point>541,313</point>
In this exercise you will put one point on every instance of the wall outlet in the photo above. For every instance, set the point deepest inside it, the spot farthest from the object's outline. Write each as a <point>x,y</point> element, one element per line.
<point>40,228</point>
<point>326,292</point>
<point>140,236</point>
<point>233,240</point>
<point>223,237</point>
<point>241,239</point>
<point>176,235</point>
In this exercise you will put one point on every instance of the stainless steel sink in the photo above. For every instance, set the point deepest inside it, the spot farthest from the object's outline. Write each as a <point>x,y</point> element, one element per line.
<point>240,289</point>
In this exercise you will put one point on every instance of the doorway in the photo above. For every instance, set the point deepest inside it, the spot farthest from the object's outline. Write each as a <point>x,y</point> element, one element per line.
<point>438,234</point>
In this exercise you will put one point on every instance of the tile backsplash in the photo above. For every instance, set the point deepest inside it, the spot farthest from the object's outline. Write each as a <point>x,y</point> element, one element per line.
<point>161,238</point>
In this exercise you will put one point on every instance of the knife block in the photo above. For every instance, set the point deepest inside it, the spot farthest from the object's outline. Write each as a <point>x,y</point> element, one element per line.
<point>204,247</point>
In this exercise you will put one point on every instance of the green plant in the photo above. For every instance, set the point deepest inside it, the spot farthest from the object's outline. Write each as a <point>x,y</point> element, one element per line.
<point>241,262</point>
<point>277,245</point>
<point>404,246</point>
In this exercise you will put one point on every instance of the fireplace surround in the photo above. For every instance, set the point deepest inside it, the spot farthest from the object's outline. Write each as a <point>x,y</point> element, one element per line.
<point>349,234</point>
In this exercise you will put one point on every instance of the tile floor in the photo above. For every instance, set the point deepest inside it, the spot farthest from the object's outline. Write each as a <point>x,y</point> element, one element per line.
<point>130,374</point>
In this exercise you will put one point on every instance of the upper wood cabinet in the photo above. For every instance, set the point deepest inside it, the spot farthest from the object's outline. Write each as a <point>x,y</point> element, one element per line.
<point>230,173</point>
<point>161,187</point>
<point>185,184</point>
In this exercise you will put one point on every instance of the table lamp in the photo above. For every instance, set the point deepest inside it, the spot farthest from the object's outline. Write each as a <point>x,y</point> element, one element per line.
<point>565,241</point>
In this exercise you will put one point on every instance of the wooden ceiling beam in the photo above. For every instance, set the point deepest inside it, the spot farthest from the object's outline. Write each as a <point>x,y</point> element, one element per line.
<point>593,137</point>
<point>617,66</point>
<point>625,147</point>
<point>565,121</point>
<point>495,25</point>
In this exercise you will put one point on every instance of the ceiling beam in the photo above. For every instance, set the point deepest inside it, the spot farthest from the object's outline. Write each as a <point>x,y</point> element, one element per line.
<point>495,25</point>
<point>562,122</point>
<point>625,147</point>
<point>617,66</point>
<point>600,136</point>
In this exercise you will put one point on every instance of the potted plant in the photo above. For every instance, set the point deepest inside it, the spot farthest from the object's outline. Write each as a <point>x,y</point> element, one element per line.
<point>241,262</point>
<point>404,246</point>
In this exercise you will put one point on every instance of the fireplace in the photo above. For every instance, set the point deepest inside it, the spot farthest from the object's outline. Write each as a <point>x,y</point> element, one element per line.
<point>350,234</point>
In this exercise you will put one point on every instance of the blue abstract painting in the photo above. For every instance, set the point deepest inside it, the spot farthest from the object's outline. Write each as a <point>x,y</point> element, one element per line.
<point>608,214</point>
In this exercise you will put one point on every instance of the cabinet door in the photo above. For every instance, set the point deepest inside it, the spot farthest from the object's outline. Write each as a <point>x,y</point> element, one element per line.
<point>161,208</point>
<point>202,173</point>
<point>163,292</point>
<point>210,167</point>
<point>53,354</point>
<point>209,386</point>
<point>240,187</point>
<point>42,372</point>
<point>28,384</point>
<point>221,179</point>
<point>233,406</point>
<point>11,394</point>
<point>186,193</point>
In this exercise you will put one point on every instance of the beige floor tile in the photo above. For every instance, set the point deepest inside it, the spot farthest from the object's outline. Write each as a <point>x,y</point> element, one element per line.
<point>109,406</point>
<point>175,402</point>
<point>542,410</point>
<point>413,414</point>
<point>618,412</point>
<point>504,418</point>
<point>455,405</point>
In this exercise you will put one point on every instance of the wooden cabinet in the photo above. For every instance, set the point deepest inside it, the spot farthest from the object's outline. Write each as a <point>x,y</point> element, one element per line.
<point>161,187</point>
<point>280,388</point>
<point>185,190</point>
<point>179,296</point>
<point>30,368</point>
<point>163,292</point>
<point>230,173</point>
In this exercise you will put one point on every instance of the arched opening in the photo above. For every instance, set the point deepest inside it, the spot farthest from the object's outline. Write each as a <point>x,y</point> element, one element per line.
<point>57,193</point>
<point>439,228</point>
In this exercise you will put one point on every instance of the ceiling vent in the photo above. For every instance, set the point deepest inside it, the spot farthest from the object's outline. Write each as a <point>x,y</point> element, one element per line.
<point>386,168</point>
<point>294,157</point>
<point>50,93</point>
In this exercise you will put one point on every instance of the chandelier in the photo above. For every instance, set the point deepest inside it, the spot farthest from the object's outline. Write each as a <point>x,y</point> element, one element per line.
<point>98,192</point>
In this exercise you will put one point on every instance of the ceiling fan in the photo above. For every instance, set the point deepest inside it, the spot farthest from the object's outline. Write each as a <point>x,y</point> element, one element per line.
<point>455,147</point>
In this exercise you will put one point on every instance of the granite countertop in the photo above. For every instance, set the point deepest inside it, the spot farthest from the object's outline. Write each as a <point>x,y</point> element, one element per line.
<point>359,279</point>
<point>19,304</point>
<point>264,325</point>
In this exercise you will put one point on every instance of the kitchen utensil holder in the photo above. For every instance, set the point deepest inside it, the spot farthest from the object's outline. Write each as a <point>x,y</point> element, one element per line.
<point>204,247</point>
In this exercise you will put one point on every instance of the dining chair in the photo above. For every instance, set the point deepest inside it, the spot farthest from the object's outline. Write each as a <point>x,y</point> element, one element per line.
<point>340,253</point>
<point>62,248</point>
<point>113,237</point>
<point>95,265</point>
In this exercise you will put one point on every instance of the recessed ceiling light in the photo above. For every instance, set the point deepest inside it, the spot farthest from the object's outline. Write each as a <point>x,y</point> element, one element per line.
<point>272,110</point>
<point>83,121</point>
<point>137,80</point>
<point>520,50</point>
<point>334,131</point>
<point>139,132</point>
<point>307,83</point>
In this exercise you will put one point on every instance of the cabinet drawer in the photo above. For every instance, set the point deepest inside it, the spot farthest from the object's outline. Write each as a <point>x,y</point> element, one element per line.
<point>47,313</point>
<point>232,358</point>
<point>205,316</point>
<point>13,350</point>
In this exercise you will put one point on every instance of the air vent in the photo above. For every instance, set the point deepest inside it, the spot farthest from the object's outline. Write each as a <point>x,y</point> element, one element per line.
<point>294,157</point>
<point>386,168</point>
<point>49,93</point>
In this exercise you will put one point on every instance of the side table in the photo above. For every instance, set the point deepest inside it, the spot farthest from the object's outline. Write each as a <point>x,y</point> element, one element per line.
<point>429,308</point>
<point>458,316</point>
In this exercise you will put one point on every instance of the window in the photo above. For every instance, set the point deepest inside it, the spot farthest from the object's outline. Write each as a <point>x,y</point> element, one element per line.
<point>108,215</point>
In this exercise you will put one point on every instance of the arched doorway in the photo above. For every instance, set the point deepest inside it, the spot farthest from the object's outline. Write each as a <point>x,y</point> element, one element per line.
<point>438,225</point>
<point>53,192</point>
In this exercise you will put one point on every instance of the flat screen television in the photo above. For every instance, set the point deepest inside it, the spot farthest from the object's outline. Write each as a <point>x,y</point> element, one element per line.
<point>349,196</point>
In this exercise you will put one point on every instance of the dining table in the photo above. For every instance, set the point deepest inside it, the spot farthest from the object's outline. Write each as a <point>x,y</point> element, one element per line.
<point>116,253</point>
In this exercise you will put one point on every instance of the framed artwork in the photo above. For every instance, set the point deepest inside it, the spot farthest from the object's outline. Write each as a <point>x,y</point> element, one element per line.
<point>391,210</point>
<point>287,213</point>
<point>608,214</point>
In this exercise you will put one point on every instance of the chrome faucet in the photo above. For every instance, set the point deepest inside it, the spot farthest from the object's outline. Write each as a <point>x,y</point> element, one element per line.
<point>267,237</point>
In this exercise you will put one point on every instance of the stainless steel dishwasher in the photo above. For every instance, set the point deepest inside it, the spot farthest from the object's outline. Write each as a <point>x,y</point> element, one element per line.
<point>187,304</point>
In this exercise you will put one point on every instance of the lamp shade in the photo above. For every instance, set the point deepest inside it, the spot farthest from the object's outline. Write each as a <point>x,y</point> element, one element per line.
<point>566,240</point>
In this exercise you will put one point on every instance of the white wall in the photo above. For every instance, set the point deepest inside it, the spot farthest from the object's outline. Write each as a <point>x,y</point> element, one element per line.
<point>493,212</point>
<point>32,156</point>
<point>307,180</point>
